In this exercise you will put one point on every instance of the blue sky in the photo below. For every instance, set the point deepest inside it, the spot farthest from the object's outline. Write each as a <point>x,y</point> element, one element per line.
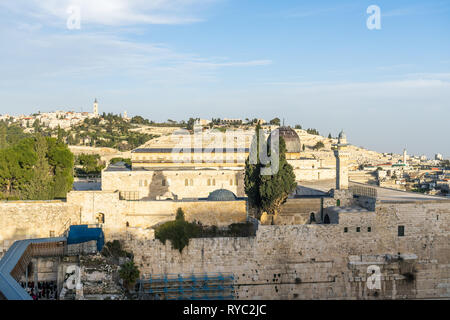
<point>313,63</point>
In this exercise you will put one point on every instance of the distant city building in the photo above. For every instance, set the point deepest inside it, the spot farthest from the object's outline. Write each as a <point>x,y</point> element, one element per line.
<point>202,122</point>
<point>95,111</point>
<point>439,157</point>
<point>231,121</point>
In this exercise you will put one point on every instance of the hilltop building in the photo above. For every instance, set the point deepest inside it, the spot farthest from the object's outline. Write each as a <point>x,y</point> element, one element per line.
<point>95,108</point>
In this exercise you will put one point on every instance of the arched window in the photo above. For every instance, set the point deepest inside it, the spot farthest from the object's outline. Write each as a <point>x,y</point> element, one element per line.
<point>338,202</point>
<point>326,220</point>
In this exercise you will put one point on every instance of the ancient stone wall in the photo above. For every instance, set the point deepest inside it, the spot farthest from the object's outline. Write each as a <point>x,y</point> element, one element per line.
<point>324,261</point>
<point>35,219</point>
<point>152,184</point>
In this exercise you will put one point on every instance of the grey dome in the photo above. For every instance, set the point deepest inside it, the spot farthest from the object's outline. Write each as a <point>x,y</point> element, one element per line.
<point>221,195</point>
<point>290,138</point>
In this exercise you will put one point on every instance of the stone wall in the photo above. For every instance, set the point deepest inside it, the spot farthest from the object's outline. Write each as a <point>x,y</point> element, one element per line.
<point>152,184</point>
<point>41,219</point>
<point>323,261</point>
<point>121,214</point>
<point>35,219</point>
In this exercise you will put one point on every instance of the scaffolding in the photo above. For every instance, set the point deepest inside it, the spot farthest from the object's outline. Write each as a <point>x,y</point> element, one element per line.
<point>201,286</point>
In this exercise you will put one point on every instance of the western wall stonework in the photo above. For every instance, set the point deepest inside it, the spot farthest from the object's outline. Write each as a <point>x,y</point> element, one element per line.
<point>119,219</point>
<point>35,219</point>
<point>321,261</point>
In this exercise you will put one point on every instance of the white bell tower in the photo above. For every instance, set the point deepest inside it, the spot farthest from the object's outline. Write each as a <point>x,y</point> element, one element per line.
<point>95,110</point>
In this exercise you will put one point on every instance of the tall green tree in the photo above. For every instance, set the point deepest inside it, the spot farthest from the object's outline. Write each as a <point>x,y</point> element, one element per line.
<point>3,142</point>
<point>16,169</point>
<point>252,178</point>
<point>268,192</point>
<point>275,189</point>
<point>61,160</point>
<point>41,183</point>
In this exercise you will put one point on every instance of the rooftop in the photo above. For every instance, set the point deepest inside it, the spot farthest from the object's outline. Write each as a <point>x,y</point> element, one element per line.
<point>193,150</point>
<point>383,194</point>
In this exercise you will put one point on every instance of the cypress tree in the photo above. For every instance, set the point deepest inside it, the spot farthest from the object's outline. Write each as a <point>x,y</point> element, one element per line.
<point>268,192</point>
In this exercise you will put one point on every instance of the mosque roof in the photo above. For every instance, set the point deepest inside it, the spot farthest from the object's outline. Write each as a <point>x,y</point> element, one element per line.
<point>221,195</point>
<point>291,139</point>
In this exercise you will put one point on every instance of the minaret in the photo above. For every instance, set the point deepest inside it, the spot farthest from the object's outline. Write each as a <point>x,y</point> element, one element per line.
<point>342,156</point>
<point>95,111</point>
<point>404,156</point>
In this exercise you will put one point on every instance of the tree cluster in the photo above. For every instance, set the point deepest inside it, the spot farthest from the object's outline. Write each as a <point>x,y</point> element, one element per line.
<point>35,168</point>
<point>89,163</point>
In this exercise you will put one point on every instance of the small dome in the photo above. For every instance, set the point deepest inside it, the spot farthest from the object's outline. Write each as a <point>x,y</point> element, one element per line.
<point>221,195</point>
<point>290,138</point>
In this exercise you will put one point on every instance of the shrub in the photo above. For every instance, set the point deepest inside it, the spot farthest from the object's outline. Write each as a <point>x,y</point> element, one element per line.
<point>178,232</point>
<point>240,229</point>
<point>180,215</point>
<point>129,273</point>
<point>114,249</point>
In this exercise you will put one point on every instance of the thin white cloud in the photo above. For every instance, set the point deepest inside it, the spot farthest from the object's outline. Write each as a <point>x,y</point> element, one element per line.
<point>90,55</point>
<point>113,12</point>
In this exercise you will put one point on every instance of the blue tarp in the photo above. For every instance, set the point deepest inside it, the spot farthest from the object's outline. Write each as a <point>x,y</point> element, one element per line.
<point>82,233</point>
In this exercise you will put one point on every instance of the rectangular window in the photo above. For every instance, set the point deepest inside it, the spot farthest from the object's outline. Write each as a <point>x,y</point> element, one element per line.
<point>186,182</point>
<point>358,229</point>
<point>163,182</point>
<point>345,230</point>
<point>401,231</point>
<point>369,229</point>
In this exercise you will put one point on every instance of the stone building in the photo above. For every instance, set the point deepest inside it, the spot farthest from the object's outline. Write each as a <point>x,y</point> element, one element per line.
<point>185,172</point>
<point>330,240</point>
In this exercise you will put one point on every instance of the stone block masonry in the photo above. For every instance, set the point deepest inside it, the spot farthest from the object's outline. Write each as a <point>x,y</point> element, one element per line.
<point>324,261</point>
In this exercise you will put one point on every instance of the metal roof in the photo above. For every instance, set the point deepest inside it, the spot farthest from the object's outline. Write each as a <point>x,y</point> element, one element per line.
<point>9,287</point>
